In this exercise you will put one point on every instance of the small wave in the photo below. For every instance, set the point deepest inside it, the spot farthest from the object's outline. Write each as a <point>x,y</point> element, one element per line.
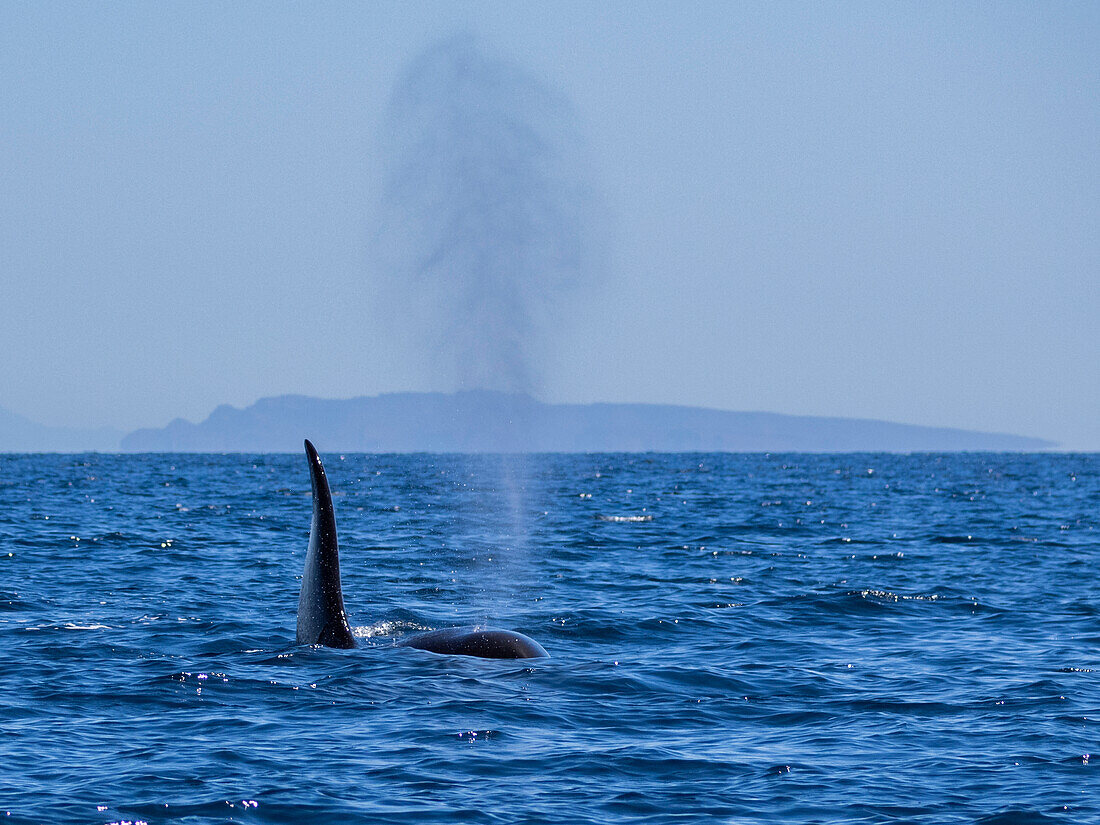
<point>205,676</point>
<point>624,519</point>
<point>30,628</point>
<point>1015,816</point>
<point>848,602</point>
<point>477,735</point>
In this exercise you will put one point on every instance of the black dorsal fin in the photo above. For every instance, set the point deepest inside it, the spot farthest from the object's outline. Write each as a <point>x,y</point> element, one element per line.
<point>322,619</point>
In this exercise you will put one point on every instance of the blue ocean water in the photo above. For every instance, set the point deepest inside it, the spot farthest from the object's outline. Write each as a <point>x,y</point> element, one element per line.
<point>734,638</point>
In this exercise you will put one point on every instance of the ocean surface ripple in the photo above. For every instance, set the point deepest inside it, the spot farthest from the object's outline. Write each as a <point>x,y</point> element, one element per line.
<point>738,638</point>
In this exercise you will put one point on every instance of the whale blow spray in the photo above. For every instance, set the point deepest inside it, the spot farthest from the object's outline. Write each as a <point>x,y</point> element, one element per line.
<point>486,221</point>
<point>487,224</point>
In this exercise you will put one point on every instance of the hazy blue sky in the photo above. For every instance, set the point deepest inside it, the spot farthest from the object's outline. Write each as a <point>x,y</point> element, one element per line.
<point>878,210</point>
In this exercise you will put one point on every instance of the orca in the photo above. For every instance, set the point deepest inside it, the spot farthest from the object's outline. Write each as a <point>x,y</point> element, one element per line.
<point>322,619</point>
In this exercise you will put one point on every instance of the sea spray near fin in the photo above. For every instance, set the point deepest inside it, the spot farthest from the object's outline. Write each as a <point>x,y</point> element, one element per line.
<point>322,619</point>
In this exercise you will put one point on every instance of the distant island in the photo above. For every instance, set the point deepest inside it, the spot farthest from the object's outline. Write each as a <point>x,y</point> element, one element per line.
<point>21,435</point>
<point>483,421</point>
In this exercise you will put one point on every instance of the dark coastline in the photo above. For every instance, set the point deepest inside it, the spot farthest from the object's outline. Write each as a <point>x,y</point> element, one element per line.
<point>483,421</point>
